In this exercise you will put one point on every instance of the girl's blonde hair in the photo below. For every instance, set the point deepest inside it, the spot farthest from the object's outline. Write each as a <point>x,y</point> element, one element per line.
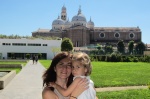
<point>84,59</point>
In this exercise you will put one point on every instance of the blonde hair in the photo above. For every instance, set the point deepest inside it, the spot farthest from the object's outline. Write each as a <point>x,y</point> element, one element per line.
<point>84,59</point>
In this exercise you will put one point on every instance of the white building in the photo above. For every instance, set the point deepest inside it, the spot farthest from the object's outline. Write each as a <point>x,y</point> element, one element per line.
<point>18,48</point>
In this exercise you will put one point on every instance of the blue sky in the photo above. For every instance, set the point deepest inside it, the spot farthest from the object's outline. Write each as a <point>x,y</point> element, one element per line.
<point>22,17</point>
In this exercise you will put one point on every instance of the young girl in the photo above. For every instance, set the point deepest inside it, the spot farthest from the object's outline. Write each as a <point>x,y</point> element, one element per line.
<point>81,68</point>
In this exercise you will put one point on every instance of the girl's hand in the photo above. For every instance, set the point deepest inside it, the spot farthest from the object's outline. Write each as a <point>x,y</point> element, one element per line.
<point>52,84</point>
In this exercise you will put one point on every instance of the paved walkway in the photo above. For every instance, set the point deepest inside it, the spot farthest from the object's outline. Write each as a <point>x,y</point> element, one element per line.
<point>28,84</point>
<point>25,85</point>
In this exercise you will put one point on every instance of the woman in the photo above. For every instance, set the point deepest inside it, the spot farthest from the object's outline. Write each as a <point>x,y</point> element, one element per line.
<point>60,73</point>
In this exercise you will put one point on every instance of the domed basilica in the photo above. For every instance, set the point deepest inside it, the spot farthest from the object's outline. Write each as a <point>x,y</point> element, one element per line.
<point>84,33</point>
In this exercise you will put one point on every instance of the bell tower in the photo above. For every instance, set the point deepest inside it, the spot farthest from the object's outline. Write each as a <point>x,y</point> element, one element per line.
<point>63,13</point>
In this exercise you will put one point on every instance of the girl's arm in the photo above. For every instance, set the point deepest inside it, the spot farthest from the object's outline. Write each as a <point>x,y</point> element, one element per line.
<point>81,86</point>
<point>69,90</point>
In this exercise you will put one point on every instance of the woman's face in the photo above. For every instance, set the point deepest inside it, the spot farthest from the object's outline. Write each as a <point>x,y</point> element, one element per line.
<point>63,68</point>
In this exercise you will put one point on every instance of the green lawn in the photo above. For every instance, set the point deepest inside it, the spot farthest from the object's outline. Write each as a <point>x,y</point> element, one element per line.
<point>126,94</point>
<point>117,74</point>
<point>17,69</point>
<point>45,63</point>
<point>120,73</point>
<point>12,62</point>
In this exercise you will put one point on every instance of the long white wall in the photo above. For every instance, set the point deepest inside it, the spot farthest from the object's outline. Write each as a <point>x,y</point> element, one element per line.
<point>4,49</point>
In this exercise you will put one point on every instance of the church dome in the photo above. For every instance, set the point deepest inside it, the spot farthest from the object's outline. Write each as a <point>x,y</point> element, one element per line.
<point>68,22</point>
<point>90,22</point>
<point>79,17</point>
<point>58,21</point>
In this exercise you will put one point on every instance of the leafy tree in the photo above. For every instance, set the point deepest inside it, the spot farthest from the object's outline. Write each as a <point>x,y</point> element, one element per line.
<point>66,45</point>
<point>108,49</point>
<point>27,56</point>
<point>130,47</point>
<point>140,48</point>
<point>39,55</point>
<point>98,47</point>
<point>121,46</point>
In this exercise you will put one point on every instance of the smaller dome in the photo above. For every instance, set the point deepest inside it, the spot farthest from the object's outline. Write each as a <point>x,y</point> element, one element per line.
<point>90,22</point>
<point>58,21</point>
<point>68,22</point>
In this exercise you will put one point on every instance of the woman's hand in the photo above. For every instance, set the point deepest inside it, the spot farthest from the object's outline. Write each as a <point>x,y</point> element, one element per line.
<point>82,86</point>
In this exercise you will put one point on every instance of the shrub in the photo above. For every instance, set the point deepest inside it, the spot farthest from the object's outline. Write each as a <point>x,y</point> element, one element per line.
<point>135,59</point>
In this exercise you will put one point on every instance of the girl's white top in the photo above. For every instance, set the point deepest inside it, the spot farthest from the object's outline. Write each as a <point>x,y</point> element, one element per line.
<point>90,93</point>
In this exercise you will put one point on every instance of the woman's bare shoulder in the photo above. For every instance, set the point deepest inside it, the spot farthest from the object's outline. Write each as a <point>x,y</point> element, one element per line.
<point>48,94</point>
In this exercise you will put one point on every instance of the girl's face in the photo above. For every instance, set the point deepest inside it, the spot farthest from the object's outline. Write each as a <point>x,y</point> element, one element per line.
<point>63,68</point>
<point>78,69</point>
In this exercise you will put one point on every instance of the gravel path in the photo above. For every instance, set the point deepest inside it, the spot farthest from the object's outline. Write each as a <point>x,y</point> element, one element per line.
<point>120,88</point>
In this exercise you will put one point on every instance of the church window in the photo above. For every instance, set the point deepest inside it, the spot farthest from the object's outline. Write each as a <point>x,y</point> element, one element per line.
<point>102,35</point>
<point>131,35</point>
<point>117,35</point>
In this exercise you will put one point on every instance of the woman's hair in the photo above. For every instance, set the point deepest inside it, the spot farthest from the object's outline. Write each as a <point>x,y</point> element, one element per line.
<point>84,59</point>
<point>50,74</point>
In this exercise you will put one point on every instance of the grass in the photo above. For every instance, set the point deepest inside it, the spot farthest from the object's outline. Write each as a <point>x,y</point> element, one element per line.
<point>120,74</point>
<point>126,94</point>
<point>45,63</point>
<point>106,74</point>
<point>12,62</point>
<point>17,69</point>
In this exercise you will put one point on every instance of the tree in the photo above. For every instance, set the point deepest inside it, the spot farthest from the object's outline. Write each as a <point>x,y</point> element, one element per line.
<point>140,48</point>
<point>108,49</point>
<point>27,56</point>
<point>130,47</point>
<point>121,46</point>
<point>66,45</point>
<point>98,47</point>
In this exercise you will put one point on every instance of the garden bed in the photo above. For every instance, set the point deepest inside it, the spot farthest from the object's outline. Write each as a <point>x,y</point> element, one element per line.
<point>4,80</point>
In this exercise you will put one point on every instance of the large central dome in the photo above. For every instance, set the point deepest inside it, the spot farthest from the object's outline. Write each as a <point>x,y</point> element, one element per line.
<point>79,19</point>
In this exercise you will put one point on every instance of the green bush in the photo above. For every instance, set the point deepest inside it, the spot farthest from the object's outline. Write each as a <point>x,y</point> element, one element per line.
<point>135,59</point>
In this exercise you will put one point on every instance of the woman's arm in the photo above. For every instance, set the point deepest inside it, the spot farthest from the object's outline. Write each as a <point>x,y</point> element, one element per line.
<point>69,90</point>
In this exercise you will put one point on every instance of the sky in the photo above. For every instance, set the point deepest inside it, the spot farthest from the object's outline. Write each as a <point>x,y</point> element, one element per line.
<point>21,17</point>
